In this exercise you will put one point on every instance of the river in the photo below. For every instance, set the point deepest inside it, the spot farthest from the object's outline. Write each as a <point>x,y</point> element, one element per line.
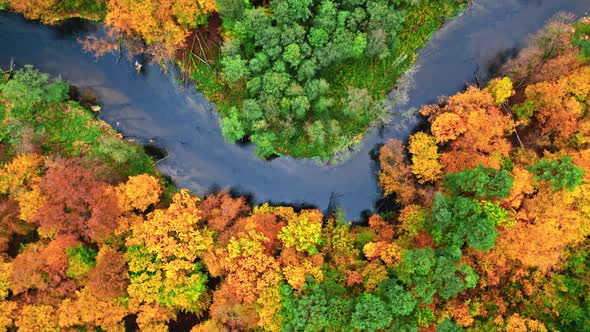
<point>152,107</point>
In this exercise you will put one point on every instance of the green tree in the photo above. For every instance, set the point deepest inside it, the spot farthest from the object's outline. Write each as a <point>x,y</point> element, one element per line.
<point>400,301</point>
<point>456,220</point>
<point>481,182</point>
<point>562,173</point>
<point>29,87</point>
<point>370,314</point>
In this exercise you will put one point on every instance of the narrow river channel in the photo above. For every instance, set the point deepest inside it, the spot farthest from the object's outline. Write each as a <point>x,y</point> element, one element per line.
<point>153,108</point>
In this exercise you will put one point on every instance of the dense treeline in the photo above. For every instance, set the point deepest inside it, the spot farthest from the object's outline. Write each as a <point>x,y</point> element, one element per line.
<point>285,66</point>
<point>300,78</point>
<point>491,232</point>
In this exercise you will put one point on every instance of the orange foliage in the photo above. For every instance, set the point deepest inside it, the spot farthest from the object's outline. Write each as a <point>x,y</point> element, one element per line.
<point>10,223</point>
<point>389,253</point>
<point>382,229</point>
<point>561,103</point>
<point>71,192</point>
<point>43,267</point>
<point>87,310</point>
<point>296,266</point>
<point>7,310</point>
<point>460,313</point>
<point>139,192</point>
<point>109,277</point>
<point>482,125</point>
<point>249,269</point>
<point>221,210</point>
<point>447,127</point>
<point>37,318</point>
<point>161,23</point>
<point>229,310</point>
<point>154,317</point>
<point>395,176</point>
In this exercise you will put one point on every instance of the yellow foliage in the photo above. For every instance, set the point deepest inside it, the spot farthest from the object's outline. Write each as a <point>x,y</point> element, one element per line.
<point>5,272</point>
<point>88,310</point>
<point>22,170</point>
<point>516,323</point>
<point>29,202</point>
<point>7,310</point>
<point>37,318</point>
<point>268,306</point>
<point>501,89</point>
<point>372,275</point>
<point>210,325</point>
<point>139,192</point>
<point>296,274</point>
<point>304,231</point>
<point>426,165</point>
<point>174,232</point>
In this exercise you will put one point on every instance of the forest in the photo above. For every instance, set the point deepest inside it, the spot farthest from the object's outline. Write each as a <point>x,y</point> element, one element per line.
<point>488,229</point>
<point>300,78</point>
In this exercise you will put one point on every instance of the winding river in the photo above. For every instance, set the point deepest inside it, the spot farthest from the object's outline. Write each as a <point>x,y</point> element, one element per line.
<point>152,107</point>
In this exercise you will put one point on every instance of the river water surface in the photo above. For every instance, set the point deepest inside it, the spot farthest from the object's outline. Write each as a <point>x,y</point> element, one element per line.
<point>153,107</point>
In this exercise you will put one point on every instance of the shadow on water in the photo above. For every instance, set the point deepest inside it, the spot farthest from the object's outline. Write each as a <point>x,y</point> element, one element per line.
<point>151,105</point>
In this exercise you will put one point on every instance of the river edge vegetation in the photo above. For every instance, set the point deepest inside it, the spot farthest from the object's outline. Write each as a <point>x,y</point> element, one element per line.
<point>490,234</point>
<point>300,78</point>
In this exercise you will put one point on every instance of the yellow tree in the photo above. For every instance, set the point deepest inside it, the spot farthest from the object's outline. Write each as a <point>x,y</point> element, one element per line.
<point>425,158</point>
<point>139,192</point>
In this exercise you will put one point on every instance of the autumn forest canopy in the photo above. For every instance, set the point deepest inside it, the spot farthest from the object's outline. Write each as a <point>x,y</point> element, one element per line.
<point>488,228</point>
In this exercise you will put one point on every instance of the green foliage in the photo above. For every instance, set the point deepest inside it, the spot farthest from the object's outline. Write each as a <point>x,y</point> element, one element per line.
<point>370,314</point>
<point>28,87</point>
<point>497,214</point>
<point>525,110</point>
<point>427,272</point>
<point>316,310</point>
<point>582,39</point>
<point>283,66</point>
<point>231,127</point>
<point>400,301</point>
<point>84,7</point>
<point>562,173</point>
<point>456,220</point>
<point>80,261</point>
<point>230,10</point>
<point>448,325</point>
<point>65,127</point>
<point>4,5</point>
<point>363,238</point>
<point>486,183</point>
